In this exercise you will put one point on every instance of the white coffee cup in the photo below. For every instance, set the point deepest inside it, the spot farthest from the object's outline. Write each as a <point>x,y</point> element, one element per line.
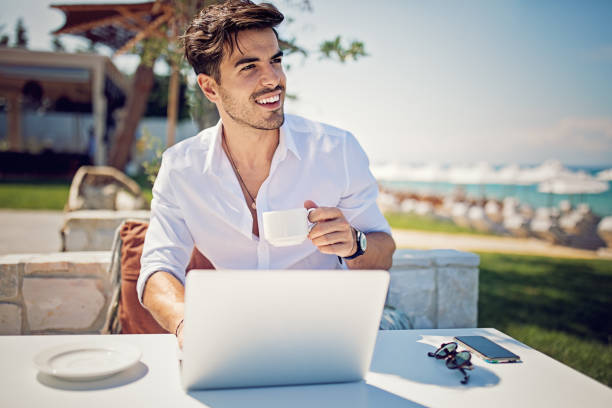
<point>286,227</point>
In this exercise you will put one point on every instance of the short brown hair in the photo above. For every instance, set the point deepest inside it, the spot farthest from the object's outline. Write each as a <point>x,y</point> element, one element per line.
<point>217,26</point>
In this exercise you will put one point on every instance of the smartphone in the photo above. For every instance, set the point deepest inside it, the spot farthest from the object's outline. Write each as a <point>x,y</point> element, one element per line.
<point>491,352</point>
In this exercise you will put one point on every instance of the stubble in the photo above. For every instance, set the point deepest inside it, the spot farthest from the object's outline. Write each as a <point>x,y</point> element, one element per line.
<point>249,115</point>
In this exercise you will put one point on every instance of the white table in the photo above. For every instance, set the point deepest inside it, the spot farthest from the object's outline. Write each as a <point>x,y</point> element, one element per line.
<point>401,375</point>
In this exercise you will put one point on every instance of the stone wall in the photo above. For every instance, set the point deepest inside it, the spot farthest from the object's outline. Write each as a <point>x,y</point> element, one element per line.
<point>72,292</point>
<point>54,293</point>
<point>435,288</point>
<point>94,230</point>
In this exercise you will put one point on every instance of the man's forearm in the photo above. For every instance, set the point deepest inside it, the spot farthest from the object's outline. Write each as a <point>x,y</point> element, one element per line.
<point>164,298</point>
<point>378,254</point>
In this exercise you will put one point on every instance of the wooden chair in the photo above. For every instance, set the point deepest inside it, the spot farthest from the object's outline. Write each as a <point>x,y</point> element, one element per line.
<point>126,315</point>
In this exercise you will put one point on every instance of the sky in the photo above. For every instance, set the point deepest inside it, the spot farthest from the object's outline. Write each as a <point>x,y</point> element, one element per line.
<point>456,82</point>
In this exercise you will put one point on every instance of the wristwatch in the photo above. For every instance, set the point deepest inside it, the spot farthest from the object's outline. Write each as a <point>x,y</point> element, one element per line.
<point>362,244</point>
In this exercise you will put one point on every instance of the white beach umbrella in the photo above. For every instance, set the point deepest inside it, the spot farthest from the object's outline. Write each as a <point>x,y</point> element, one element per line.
<point>565,206</point>
<point>550,169</point>
<point>493,211</point>
<point>456,174</point>
<point>604,229</point>
<point>388,202</point>
<point>479,173</point>
<point>579,183</point>
<point>430,172</point>
<point>408,205</point>
<point>508,174</point>
<point>424,208</point>
<point>510,177</point>
<point>517,225</point>
<point>605,175</point>
<point>574,184</point>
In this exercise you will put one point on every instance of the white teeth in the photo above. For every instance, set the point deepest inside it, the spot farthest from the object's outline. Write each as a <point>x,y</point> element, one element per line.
<point>271,99</point>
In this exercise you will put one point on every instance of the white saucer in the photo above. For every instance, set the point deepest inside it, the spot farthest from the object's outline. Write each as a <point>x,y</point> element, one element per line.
<point>86,361</point>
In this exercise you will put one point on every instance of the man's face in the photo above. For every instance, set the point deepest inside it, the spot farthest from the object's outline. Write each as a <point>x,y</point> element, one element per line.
<point>252,81</point>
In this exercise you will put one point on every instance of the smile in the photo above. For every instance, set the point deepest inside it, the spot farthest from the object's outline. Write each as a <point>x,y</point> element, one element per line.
<point>269,100</point>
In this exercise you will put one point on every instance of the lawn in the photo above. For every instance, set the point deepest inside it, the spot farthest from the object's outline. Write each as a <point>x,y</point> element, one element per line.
<point>42,195</point>
<point>561,307</point>
<point>34,195</point>
<point>427,223</point>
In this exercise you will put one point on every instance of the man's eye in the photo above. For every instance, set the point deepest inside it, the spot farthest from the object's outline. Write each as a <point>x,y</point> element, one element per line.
<point>246,68</point>
<point>277,60</point>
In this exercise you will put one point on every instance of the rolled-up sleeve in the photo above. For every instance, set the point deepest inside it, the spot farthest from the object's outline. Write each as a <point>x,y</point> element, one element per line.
<point>168,242</point>
<point>358,202</point>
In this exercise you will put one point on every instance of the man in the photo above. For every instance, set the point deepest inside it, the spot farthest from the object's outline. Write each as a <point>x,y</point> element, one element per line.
<point>212,189</point>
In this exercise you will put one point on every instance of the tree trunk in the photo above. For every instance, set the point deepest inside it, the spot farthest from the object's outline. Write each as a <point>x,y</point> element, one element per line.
<point>125,134</point>
<point>173,94</point>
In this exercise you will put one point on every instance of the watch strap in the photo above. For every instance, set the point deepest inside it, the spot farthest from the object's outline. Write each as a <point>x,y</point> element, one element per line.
<point>360,251</point>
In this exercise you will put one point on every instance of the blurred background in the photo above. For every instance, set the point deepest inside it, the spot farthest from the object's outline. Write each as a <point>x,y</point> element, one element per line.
<point>488,125</point>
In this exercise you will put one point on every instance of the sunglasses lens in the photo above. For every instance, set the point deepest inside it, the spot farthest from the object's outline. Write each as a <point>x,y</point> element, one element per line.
<point>463,357</point>
<point>454,360</point>
<point>447,350</point>
<point>459,360</point>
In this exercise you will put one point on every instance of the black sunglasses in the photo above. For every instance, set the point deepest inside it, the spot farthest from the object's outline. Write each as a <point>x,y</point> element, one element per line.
<point>455,360</point>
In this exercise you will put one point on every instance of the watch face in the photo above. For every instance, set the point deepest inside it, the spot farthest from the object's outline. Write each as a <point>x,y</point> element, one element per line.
<point>363,242</point>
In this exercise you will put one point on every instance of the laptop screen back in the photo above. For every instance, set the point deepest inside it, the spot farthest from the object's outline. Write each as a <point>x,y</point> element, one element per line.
<point>258,328</point>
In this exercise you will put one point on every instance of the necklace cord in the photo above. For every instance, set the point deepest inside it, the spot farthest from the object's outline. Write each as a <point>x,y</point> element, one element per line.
<point>242,183</point>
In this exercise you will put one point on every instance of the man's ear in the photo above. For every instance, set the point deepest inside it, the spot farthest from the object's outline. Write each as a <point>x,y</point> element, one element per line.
<point>209,87</point>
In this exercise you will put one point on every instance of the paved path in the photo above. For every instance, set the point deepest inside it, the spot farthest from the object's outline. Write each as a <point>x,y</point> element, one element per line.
<point>30,231</point>
<point>38,232</point>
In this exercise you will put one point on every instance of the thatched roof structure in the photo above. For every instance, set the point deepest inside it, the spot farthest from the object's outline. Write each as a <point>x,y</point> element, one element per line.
<point>119,26</point>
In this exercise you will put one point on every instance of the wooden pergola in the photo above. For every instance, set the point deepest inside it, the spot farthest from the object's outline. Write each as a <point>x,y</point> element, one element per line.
<point>121,27</point>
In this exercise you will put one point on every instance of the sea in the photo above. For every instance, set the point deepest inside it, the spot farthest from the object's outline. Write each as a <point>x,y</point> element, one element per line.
<point>601,204</point>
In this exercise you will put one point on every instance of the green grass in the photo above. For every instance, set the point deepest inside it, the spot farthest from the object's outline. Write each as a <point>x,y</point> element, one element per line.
<point>427,223</point>
<point>561,307</point>
<point>148,194</point>
<point>34,195</point>
<point>44,195</point>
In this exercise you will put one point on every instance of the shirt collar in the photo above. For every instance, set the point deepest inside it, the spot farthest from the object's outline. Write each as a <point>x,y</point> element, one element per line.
<point>215,153</point>
<point>215,150</point>
<point>286,140</point>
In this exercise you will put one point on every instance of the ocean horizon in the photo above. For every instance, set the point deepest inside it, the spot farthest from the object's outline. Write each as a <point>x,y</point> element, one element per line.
<point>600,203</point>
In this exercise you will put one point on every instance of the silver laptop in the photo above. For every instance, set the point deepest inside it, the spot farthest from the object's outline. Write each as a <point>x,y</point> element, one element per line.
<point>253,328</point>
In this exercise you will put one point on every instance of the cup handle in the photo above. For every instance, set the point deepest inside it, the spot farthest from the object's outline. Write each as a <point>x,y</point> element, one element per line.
<point>310,224</point>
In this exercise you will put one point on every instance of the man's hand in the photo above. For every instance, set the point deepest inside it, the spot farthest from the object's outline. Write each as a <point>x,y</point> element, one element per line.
<point>332,233</point>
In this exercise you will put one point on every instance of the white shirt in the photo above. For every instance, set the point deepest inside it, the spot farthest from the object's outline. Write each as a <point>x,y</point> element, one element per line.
<point>197,200</point>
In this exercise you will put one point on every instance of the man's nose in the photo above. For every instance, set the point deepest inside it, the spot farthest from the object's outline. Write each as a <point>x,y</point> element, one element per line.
<point>272,75</point>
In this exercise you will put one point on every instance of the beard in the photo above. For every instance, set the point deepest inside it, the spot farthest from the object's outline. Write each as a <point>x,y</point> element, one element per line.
<point>248,114</point>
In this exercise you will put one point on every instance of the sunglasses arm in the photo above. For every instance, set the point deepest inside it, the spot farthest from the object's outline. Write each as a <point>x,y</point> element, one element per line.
<point>466,376</point>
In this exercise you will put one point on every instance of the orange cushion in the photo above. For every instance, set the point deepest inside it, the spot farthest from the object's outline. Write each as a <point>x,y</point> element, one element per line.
<point>134,318</point>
